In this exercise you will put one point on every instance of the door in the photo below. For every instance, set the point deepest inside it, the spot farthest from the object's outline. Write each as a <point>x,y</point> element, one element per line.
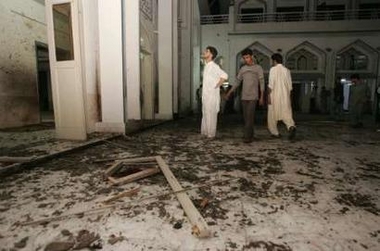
<point>65,67</point>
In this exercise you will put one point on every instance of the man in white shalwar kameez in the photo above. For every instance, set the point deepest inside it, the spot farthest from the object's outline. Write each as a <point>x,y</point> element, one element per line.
<point>213,78</point>
<point>279,101</point>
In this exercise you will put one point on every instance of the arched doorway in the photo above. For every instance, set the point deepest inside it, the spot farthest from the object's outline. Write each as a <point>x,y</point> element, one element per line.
<point>307,65</point>
<point>357,58</point>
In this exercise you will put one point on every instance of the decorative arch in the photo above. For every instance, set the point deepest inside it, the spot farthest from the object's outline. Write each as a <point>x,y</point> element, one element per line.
<point>261,55</point>
<point>357,57</point>
<point>306,57</point>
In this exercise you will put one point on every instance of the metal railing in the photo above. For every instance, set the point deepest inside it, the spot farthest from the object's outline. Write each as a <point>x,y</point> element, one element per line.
<point>367,14</point>
<point>214,19</point>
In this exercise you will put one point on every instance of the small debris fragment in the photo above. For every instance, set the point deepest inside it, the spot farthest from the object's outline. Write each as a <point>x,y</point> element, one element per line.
<point>178,225</point>
<point>21,243</point>
<point>85,239</point>
<point>262,245</point>
<point>59,246</point>
<point>66,232</point>
<point>204,203</point>
<point>195,230</point>
<point>114,239</point>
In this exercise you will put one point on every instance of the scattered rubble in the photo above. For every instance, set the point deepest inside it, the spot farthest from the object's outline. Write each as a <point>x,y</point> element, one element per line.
<point>269,195</point>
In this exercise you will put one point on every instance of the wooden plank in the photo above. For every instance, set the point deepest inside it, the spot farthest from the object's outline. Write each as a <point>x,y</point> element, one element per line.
<point>113,169</point>
<point>113,180</point>
<point>200,227</point>
<point>121,159</point>
<point>136,176</point>
<point>139,161</point>
<point>128,193</point>
<point>142,159</point>
<point>10,159</point>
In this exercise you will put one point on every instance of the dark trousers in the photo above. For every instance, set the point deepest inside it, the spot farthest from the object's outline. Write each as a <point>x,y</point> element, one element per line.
<point>249,107</point>
<point>356,113</point>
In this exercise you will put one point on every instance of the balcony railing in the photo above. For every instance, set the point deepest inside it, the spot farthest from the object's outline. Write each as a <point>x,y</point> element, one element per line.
<point>367,14</point>
<point>214,19</point>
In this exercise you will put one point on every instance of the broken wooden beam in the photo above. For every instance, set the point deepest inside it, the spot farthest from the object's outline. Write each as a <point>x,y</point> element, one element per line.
<point>199,225</point>
<point>9,159</point>
<point>133,177</point>
<point>115,167</point>
<point>148,167</point>
<point>128,193</point>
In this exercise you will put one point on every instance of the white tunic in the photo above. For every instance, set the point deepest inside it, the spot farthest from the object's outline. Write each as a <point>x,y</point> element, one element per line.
<point>280,83</point>
<point>211,97</point>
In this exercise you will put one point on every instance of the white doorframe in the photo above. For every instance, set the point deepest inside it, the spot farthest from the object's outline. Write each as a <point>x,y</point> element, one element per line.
<point>66,73</point>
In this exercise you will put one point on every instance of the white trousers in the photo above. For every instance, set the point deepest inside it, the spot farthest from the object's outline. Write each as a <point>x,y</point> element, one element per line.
<point>272,120</point>
<point>209,122</point>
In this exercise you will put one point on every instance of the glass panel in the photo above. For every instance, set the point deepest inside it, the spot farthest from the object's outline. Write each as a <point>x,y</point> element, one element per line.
<point>64,49</point>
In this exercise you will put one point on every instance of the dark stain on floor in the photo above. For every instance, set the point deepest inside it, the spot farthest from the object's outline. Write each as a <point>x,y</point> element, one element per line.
<point>358,200</point>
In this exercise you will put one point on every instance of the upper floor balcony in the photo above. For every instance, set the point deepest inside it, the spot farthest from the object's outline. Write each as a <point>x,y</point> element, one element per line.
<point>295,16</point>
<point>297,21</point>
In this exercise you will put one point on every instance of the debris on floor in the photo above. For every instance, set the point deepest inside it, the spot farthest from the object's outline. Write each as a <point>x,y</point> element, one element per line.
<point>84,239</point>
<point>320,192</point>
<point>129,170</point>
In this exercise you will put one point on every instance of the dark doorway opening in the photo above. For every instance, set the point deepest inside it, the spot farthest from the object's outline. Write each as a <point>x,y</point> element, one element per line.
<point>45,97</point>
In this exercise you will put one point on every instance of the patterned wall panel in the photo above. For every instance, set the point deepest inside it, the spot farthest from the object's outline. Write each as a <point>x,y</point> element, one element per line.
<point>146,7</point>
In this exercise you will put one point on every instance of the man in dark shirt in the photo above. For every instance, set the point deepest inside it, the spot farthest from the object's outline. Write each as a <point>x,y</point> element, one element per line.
<point>359,95</point>
<point>252,76</point>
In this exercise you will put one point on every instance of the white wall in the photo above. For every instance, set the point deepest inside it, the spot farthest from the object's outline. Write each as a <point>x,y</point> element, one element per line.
<point>217,36</point>
<point>111,66</point>
<point>230,44</point>
<point>22,23</point>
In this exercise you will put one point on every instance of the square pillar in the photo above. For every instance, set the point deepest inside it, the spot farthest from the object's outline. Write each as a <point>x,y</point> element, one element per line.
<point>165,59</point>
<point>111,67</point>
<point>132,58</point>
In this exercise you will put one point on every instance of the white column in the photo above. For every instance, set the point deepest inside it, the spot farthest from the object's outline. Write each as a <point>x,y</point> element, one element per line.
<point>271,6</point>
<point>312,8</point>
<point>89,44</point>
<point>175,53</point>
<point>196,55</point>
<point>354,5</point>
<point>110,66</point>
<point>132,58</point>
<point>311,5</point>
<point>330,70</point>
<point>165,59</point>
<point>232,17</point>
